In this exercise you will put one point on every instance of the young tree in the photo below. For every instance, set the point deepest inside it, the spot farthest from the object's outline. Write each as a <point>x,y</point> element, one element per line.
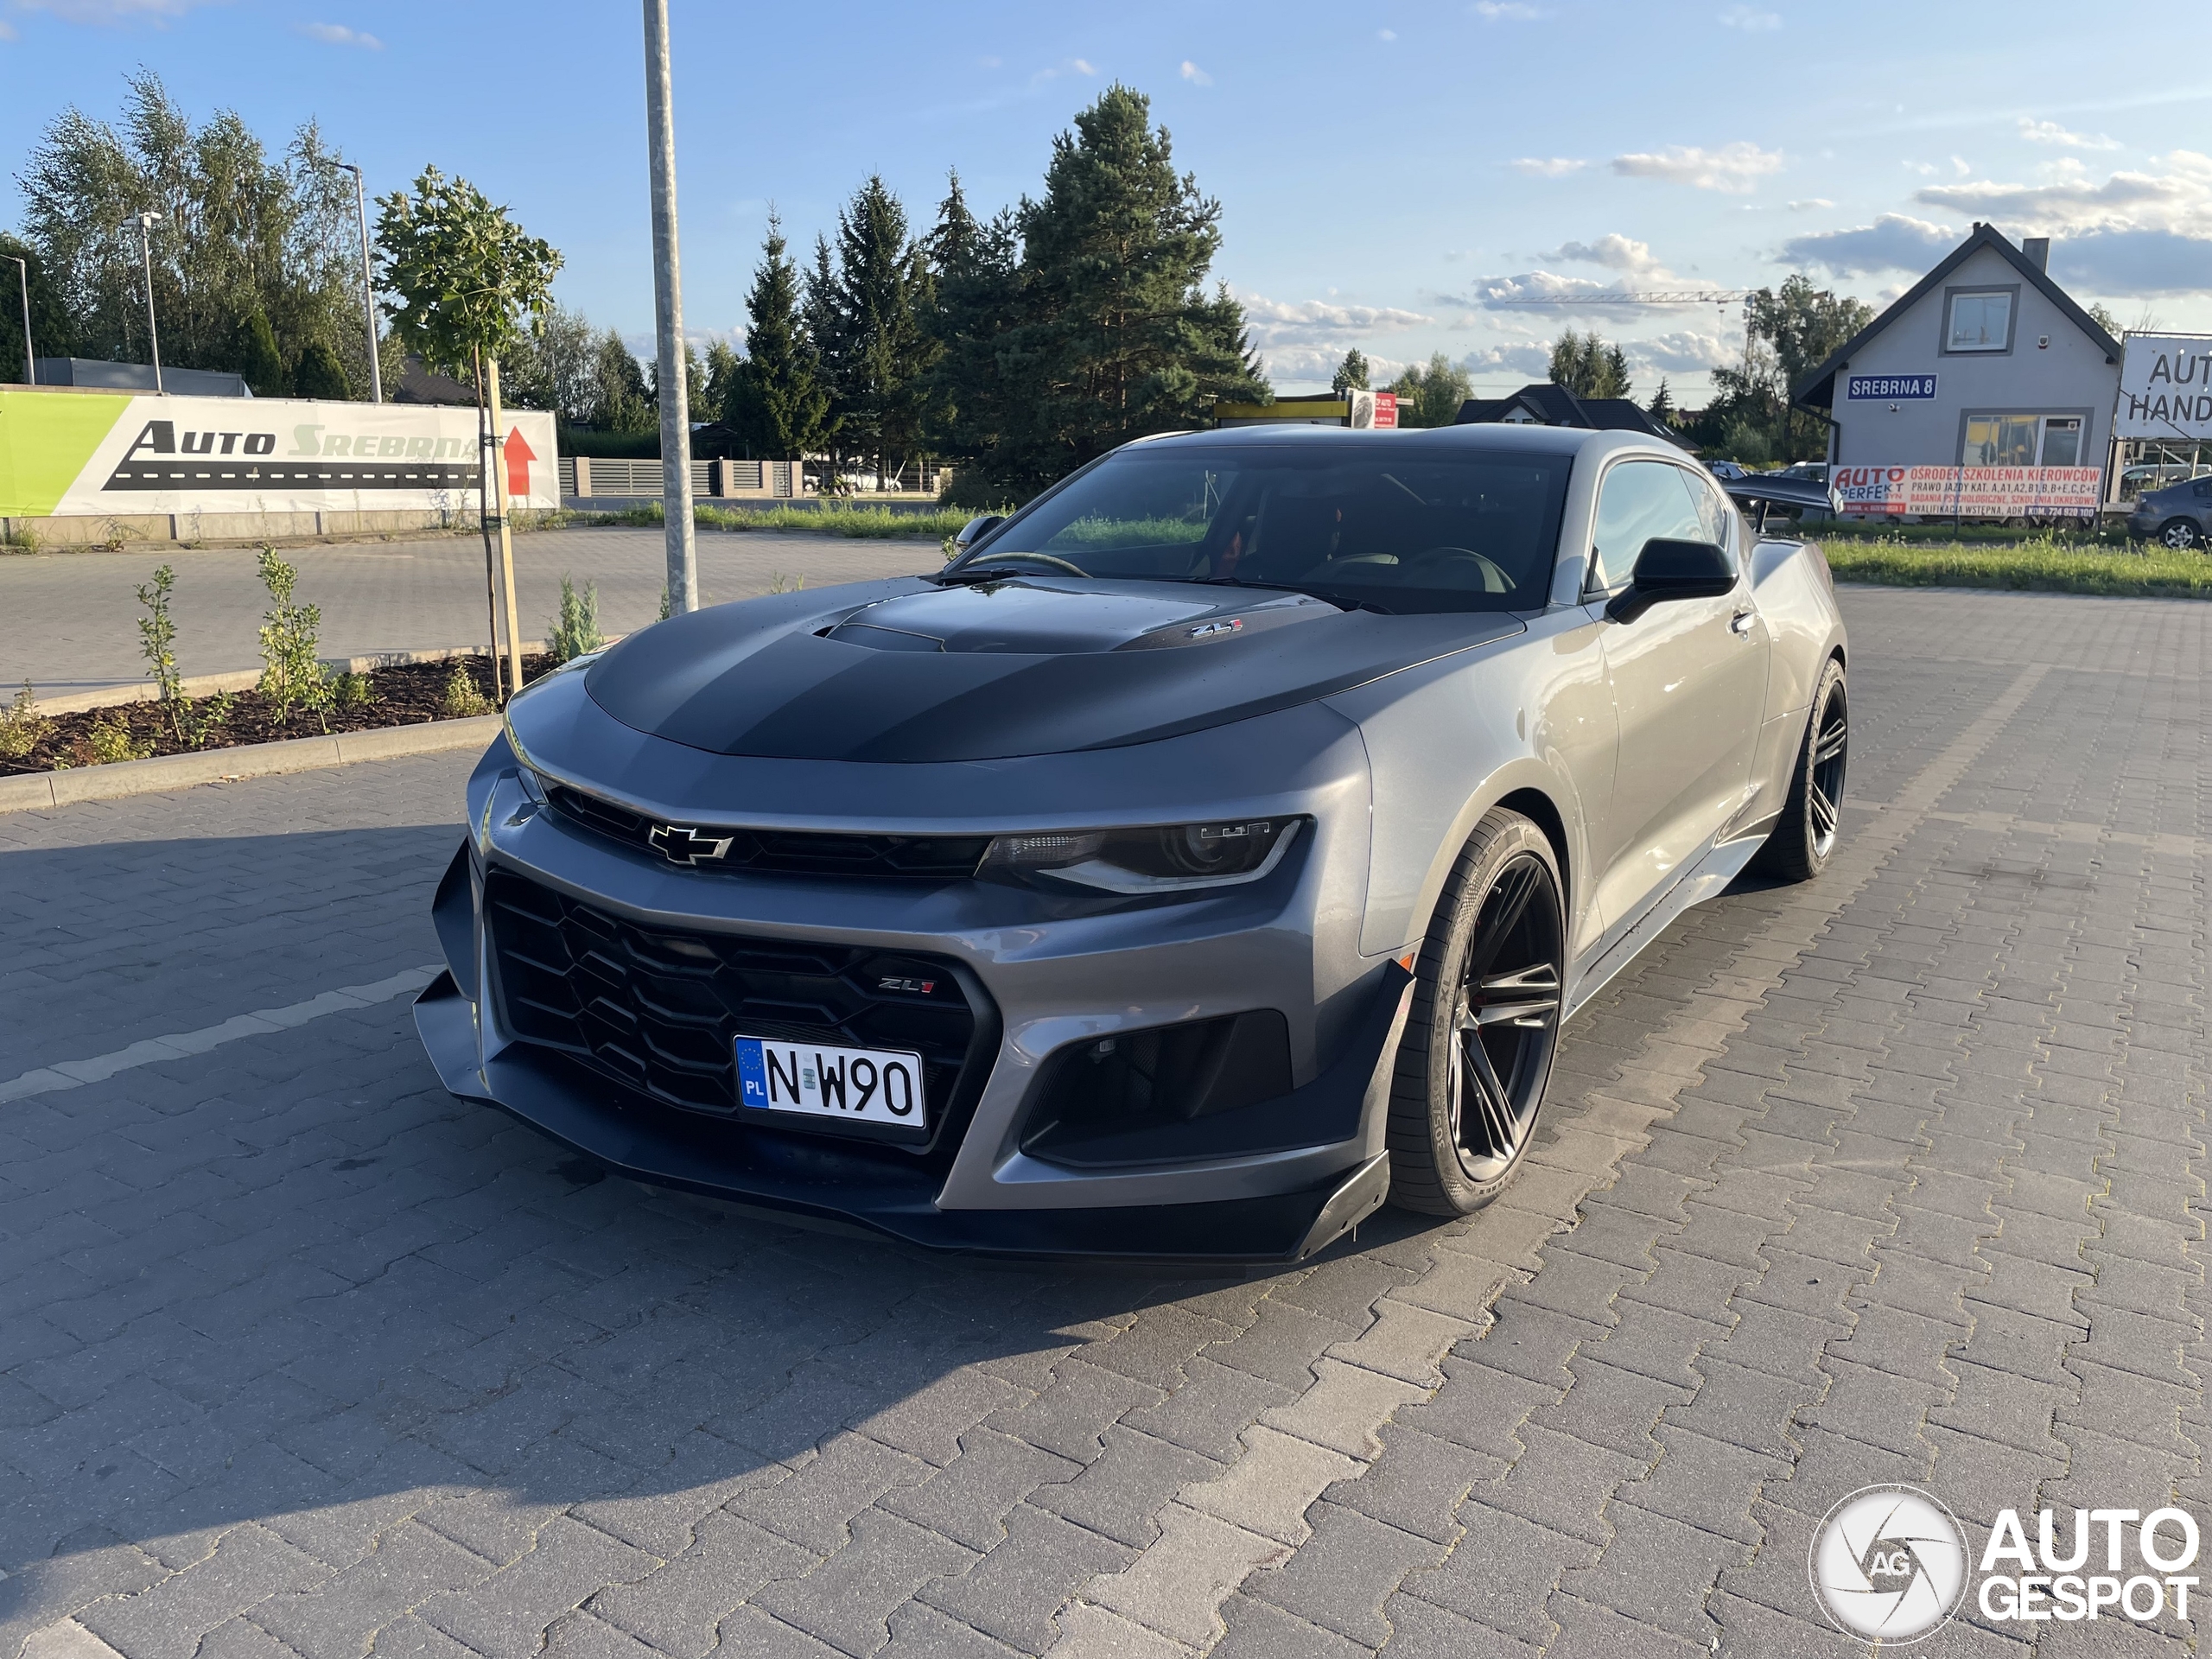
<point>1351,373</point>
<point>868,329</point>
<point>1118,335</point>
<point>320,374</point>
<point>470,285</point>
<point>1787,333</point>
<point>258,358</point>
<point>621,399</point>
<point>1586,366</point>
<point>776,404</point>
<point>1430,394</point>
<point>1662,406</point>
<point>722,375</point>
<point>974,288</point>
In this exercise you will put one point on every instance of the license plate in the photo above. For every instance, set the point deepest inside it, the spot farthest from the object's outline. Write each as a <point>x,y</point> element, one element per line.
<point>866,1085</point>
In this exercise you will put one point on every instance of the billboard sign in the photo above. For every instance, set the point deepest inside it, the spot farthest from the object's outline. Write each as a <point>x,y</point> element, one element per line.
<point>2165,388</point>
<point>1889,388</point>
<point>1968,491</point>
<point>68,453</point>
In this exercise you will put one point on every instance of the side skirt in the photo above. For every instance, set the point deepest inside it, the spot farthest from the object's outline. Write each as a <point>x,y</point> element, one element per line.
<point>1707,879</point>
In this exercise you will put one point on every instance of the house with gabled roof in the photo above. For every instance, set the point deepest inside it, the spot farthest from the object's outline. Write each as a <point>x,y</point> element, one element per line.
<point>1544,404</point>
<point>1984,362</point>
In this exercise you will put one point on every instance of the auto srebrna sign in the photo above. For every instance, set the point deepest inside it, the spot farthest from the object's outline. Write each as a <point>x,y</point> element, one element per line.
<point>66,452</point>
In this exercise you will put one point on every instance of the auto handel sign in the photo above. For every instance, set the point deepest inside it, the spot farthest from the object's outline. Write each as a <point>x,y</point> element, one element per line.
<point>68,453</point>
<point>2165,388</point>
<point>1891,1564</point>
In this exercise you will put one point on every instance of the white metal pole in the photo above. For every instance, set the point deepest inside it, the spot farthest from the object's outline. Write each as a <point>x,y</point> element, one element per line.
<point>368,283</point>
<point>30,364</point>
<point>153,331</point>
<point>668,319</point>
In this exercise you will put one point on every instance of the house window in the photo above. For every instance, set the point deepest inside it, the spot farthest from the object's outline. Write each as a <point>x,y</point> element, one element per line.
<point>1979,322</point>
<point>2022,441</point>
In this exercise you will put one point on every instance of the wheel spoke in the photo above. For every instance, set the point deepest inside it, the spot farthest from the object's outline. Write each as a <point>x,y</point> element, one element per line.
<point>1832,745</point>
<point>1824,813</point>
<point>1525,998</point>
<point>1512,905</point>
<point>1490,1096</point>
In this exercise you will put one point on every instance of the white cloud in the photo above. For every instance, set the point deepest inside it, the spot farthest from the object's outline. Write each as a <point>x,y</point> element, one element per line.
<point>1809,203</point>
<point>1386,33</point>
<point>1615,252</point>
<point>1081,65</point>
<point>1927,170</point>
<point>1548,166</point>
<point>1531,359</point>
<point>1893,242</point>
<point>2050,132</point>
<point>1681,351</point>
<point>1070,66</point>
<point>1751,19</point>
<point>1505,11</point>
<point>1195,75</point>
<point>1734,168</point>
<point>2132,264</point>
<point>339,35</point>
<point>2178,197</point>
<point>1963,167</point>
<point>1558,293</point>
<point>1275,323</point>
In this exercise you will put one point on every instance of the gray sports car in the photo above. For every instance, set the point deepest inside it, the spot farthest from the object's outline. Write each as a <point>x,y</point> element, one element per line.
<point>1206,855</point>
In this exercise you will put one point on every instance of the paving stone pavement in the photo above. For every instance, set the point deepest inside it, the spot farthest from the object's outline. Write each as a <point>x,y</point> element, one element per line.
<point>1895,1176</point>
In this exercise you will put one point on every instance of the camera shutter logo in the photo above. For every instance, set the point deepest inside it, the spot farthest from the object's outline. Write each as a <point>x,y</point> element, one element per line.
<point>1889,1563</point>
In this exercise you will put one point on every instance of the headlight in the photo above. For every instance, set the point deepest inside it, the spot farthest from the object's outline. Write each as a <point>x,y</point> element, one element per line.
<point>1162,860</point>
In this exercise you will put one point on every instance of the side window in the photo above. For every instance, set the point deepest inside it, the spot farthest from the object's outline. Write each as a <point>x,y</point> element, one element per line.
<point>1639,501</point>
<point>1714,514</point>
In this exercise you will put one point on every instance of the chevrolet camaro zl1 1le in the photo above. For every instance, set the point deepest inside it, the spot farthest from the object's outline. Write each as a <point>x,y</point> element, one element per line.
<point>1208,853</point>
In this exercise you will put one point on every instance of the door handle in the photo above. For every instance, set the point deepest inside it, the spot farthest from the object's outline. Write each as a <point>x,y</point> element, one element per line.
<point>1742,623</point>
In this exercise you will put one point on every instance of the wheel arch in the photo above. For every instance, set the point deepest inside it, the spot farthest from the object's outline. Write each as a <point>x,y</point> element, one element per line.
<point>1540,810</point>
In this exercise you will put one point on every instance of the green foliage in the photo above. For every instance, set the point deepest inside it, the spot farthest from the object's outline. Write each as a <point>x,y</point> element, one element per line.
<point>354,691</point>
<point>52,334</point>
<point>23,728</point>
<point>468,279</point>
<point>1588,367</point>
<point>292,675</point>
<point>557,369</point>
<point>976,267</point>
<point>620,400</point>
<point>157,640</point>
<point>463,698</point>
<point>722,368</point>
<point>256,358</point>
<point>1662,406</point>
<point>242,234</point>
<point>2043,565</point>
<point>865,323</point>
<point>1430,394</point>
<point>1788,332</point>
<point>1351,373</point>
<point>831,517</point>
<point>575,630</point>
<point>110,740</point>
<point>776,405</point>
<point>320,374</point>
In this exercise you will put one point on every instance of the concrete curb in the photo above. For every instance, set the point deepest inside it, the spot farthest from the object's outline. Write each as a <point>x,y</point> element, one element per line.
<point>34,792</point>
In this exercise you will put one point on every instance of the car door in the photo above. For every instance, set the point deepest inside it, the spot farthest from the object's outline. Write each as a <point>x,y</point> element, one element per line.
<point>1688,680</point>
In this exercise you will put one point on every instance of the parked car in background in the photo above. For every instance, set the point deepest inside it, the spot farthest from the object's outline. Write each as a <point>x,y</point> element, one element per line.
<point>2142,479</point>
<point>1209,853</point>
<point>1727,470</point>
<point>2180,515</point>
<point>1813,472</point>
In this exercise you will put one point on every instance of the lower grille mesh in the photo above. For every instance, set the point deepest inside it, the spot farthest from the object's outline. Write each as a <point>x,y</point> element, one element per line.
<point>658,1009</point>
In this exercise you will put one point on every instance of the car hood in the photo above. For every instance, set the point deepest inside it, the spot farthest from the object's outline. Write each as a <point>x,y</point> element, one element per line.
<point>906,670</point>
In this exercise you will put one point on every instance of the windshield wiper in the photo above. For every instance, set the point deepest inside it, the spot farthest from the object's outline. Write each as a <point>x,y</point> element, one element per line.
<point>996,572</point>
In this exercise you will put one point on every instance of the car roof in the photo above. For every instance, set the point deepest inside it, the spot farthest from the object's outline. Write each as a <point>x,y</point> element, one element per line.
<point>1496,438</point>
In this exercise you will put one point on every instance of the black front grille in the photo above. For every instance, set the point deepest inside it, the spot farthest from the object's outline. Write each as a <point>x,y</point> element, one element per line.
<point>932,858</point>
<point>658,1009</point>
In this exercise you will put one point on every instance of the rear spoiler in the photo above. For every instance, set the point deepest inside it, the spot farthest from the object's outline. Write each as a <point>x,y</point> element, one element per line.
<point>1765,492</point>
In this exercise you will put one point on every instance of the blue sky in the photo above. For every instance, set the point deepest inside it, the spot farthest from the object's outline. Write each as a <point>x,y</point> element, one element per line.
<point>1389,173</point>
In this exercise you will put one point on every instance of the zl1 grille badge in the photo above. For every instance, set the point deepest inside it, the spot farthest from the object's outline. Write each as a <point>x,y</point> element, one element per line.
<point>680,844</point>
<point>893,984</point>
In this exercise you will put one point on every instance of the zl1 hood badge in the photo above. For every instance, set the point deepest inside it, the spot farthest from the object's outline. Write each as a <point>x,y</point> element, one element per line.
<point>1210,630</point>
<point>682,844</point>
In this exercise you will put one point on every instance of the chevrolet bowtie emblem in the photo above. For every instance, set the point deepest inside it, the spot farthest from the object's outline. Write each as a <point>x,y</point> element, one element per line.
<point>682,844</point>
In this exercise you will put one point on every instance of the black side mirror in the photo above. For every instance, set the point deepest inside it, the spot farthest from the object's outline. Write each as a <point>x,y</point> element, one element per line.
<point>974,530</point>
<point>1670,570</point>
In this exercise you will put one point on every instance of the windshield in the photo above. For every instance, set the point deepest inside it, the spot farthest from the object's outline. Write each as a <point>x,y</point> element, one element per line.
<point>1411,532</point>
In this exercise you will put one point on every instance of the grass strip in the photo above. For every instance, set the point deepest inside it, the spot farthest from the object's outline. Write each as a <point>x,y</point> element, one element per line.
<point>831,518</point>
<point>2043,567</point>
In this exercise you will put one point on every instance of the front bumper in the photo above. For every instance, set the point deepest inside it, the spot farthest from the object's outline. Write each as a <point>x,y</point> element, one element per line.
<point>1267,1181</point>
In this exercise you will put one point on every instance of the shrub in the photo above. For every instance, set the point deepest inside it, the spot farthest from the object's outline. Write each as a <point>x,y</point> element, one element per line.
<point>463,698</point>
<point>109,740</point>
<point>575,630</point>
<point>354,691</point>
<point>23,728</point>
<point>292,675</point>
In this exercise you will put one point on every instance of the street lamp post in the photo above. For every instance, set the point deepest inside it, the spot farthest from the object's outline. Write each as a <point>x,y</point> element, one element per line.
<point>368,283</point>
<point>145,222</point>
<point>30,364</point>
<point>668,295</point>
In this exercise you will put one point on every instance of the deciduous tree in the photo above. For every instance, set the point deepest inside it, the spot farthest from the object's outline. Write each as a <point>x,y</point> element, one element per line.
<point>1430,394</point>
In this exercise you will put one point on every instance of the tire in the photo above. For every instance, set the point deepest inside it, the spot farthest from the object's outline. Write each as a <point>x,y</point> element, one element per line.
<point>2180,534</point>
<point>1459,1126</point>
<point>1805,836</point>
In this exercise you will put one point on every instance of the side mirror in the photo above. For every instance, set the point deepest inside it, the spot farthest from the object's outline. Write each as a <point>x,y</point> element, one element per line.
<point>974,530</point>
<point>1669,570</point>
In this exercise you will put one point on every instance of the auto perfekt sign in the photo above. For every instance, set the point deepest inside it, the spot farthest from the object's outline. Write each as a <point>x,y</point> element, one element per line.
<point>66,453</point>
<point>2165,388</point>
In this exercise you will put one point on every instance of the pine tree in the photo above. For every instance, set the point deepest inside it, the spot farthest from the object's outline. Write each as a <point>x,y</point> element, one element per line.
<point>867,321</point>
<point>1351,373</point>
<point>1117,335</point>
<point>319,373</point>
<point>258,358</point>
<point>1662,406</point>
<point>775,406</point>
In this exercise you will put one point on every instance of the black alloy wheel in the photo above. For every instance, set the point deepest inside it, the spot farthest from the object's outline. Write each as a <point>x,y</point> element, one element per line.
<point>1484,1027</point>
<point>1811,814</point>
<point>2181,535</point>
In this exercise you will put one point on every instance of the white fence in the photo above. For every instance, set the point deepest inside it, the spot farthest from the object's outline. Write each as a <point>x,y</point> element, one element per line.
<point>584,476</point>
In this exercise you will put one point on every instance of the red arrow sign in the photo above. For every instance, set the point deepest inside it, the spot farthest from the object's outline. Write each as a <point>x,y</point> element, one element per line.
<point>519,455</point>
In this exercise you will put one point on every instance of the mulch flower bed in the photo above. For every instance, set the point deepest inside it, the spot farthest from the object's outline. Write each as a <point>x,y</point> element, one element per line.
<point>410,696</point>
